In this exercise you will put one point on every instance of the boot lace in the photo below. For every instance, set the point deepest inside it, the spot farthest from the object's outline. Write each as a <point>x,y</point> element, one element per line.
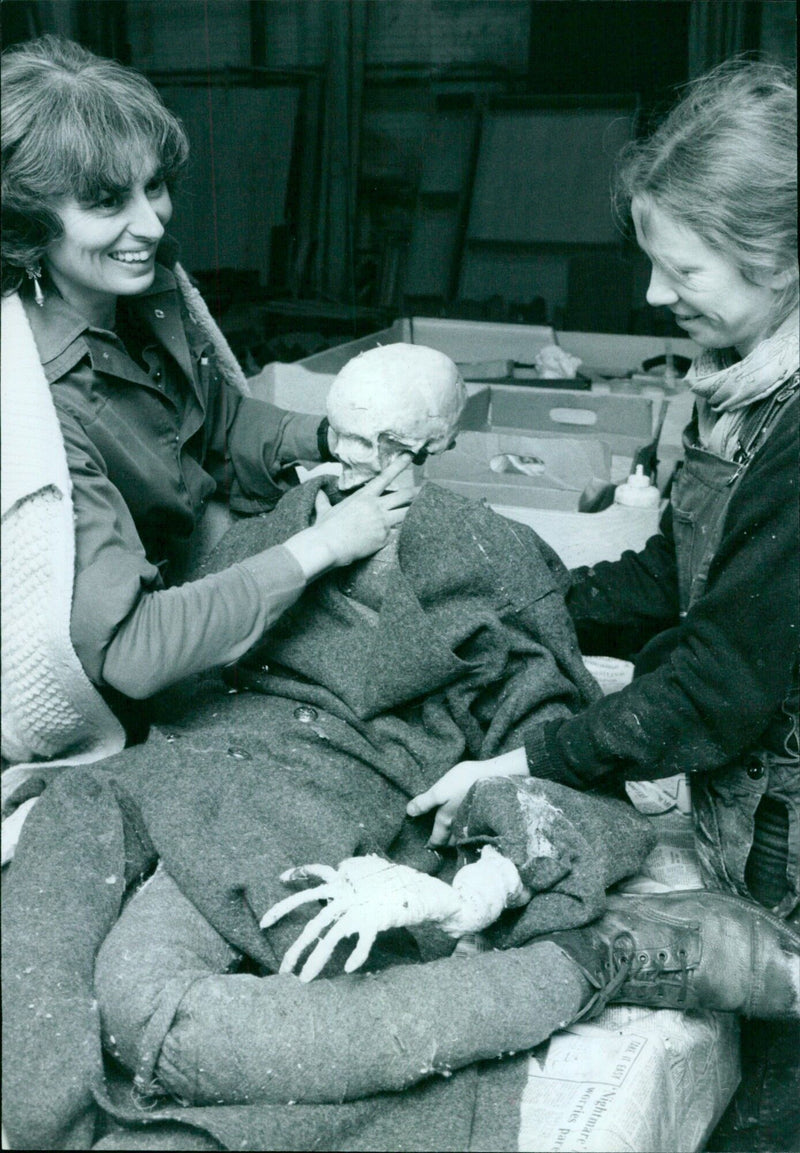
<point>624,963</point>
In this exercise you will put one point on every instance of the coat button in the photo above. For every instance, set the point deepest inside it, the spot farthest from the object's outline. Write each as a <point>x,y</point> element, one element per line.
<point>239,754</point>
<point>755,770</point>
<point>305,713</point>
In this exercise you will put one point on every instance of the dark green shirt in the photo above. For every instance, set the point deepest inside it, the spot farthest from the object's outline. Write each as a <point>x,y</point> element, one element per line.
<point>153,432</point>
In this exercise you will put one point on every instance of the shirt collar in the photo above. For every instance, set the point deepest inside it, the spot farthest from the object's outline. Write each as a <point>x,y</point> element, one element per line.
<point>57,326</point>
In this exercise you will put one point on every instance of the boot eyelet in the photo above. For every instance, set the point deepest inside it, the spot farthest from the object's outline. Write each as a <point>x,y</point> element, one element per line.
<point>663,955</point>
<point>644,958</point>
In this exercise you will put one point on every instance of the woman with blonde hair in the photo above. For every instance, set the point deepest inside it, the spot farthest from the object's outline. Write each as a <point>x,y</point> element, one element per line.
<point>709,611</point>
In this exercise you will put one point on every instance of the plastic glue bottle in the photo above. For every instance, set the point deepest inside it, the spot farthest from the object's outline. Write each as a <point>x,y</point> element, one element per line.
<point>637,491</point>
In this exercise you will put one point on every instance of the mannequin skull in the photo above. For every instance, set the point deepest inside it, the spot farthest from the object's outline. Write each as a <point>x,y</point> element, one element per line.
<point>393,399</point>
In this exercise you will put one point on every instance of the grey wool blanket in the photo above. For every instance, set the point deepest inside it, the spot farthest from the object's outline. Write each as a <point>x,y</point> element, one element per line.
<point>306,751</point>
<point>568,847</point>
<point>342,714</point>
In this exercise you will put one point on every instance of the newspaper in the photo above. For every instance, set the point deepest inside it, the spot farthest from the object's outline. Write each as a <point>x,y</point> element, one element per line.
<point>673,863</point>
<point>636,1080</point>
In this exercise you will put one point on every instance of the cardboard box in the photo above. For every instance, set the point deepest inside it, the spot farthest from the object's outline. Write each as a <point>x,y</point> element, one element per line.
<point>624,423</point>
<point>466,342</point>
<point>619,422</point>
<point>477,341</point>
<point>580,436</point>
<point>520,470</point>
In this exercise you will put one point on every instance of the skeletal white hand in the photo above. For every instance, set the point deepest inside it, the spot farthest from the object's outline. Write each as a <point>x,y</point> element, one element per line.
<point>367,895</point>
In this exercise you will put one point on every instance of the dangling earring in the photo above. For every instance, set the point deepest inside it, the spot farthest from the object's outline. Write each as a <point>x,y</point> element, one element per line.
<point>35,274</point>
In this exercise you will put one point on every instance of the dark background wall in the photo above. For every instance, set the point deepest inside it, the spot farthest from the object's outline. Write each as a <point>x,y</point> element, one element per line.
<point>357,159</point>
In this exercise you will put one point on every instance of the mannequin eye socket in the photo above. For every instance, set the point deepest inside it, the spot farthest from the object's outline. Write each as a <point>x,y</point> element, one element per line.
<point>350,439</point>
<point>391,444</point>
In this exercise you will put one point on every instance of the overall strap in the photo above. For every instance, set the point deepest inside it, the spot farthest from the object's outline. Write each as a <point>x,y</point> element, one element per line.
<point>762,417</point>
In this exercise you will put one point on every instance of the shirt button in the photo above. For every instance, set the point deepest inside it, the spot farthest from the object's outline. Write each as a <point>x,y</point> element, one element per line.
<point>306,714</point>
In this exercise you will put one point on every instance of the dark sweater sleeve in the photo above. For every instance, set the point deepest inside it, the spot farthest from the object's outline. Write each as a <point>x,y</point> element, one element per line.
<point>730,663</point>
<point>617,606</point>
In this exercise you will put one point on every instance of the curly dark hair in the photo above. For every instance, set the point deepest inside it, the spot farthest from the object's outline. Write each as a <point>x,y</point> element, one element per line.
<point>73,125</point>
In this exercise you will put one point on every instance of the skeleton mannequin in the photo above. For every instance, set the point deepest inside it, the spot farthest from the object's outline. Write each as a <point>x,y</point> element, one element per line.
<point>393,399</point>
<point>389,400</point>
<point>251,1039</point>
<point>398,398</point>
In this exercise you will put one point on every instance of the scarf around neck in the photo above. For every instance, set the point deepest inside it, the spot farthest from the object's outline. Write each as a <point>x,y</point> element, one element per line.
<point>725,389</point>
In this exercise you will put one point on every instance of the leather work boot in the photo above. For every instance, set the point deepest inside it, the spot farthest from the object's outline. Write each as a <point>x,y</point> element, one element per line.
<point>692,949</point>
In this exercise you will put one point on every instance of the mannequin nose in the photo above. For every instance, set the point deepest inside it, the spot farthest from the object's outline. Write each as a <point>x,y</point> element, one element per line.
<point>357,454</point>
<point>660,290</point>
<point>359,458</point>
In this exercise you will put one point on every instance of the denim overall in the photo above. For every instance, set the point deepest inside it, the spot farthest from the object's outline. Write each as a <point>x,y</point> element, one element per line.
<point>724,802</point>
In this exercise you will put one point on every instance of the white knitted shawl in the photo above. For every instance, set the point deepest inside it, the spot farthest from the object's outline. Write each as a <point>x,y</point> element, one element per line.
<point>51,711</point>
